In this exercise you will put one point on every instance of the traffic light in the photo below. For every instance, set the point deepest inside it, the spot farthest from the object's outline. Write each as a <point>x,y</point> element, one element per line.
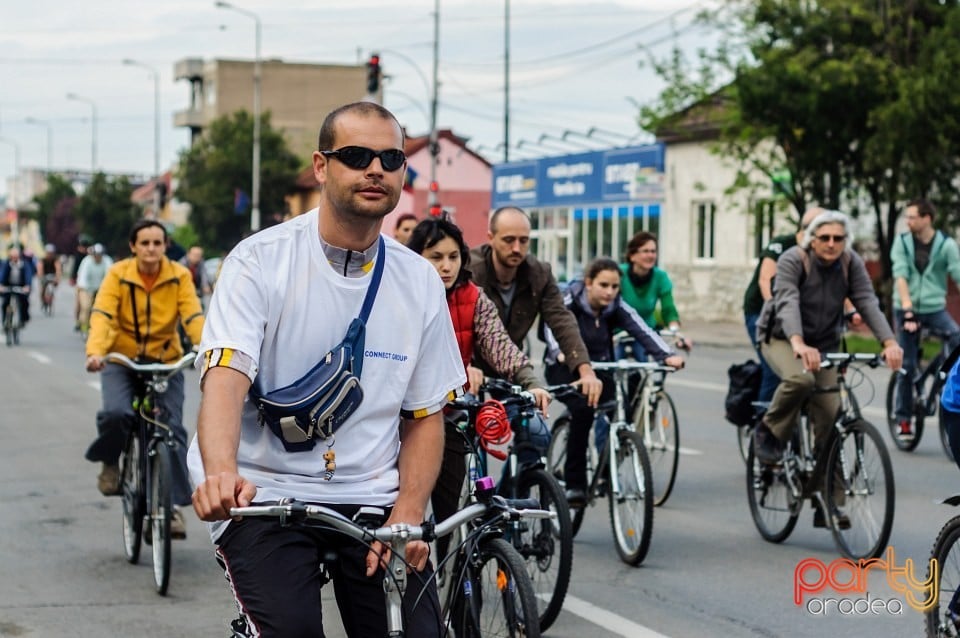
<point>436,210</point>
<point>373,73</point>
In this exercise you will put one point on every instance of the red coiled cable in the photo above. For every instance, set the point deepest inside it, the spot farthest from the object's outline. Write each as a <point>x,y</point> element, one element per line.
<point>493,428</point>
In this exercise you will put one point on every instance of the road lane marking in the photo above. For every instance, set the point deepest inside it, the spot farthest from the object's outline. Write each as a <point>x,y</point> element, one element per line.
<point>699,385</point>
<point>607,619</point>
<point>689,451</point>
<point>39,356</point>
<point>94,384</point>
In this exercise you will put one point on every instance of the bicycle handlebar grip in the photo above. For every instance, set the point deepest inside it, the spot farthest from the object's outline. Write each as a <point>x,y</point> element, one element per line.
<point>524,503</point>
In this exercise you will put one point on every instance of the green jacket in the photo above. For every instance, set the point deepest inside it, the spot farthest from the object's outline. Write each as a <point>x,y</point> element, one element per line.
<point>644,300</point>
<point>928,289</point>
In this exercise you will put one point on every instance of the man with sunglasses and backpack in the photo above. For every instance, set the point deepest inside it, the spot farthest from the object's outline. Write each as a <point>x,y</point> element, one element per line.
<point>922,258</point>
<point>287,297</point>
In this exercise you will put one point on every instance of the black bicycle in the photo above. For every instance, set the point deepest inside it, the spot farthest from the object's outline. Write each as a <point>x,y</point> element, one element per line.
<point>927,382</point>
<point>849,478</point>
<point>46,294</point>
<point>11,313</point>
<point>942,618</point>
<point>489,595</point>
<point>545,544</point>
<point>146,470</point>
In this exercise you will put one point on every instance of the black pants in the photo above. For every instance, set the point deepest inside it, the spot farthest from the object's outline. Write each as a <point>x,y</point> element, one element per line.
<point>275,576</point>
<point>23,305</point>
<point>581,420</point>
<point>446,492</point>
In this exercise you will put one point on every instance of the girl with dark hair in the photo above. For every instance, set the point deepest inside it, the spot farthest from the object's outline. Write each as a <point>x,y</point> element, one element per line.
<point>600,311</point>
<point>477,326</point>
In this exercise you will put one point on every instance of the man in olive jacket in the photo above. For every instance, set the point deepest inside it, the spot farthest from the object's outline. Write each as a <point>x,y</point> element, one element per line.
<point>522,287</point>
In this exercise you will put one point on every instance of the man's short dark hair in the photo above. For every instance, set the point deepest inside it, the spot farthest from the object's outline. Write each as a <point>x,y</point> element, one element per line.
<point>146,223</point>
<point>925,207</point>
<point>406,217</point>
<point>327,133</point>
<point>505,209</point>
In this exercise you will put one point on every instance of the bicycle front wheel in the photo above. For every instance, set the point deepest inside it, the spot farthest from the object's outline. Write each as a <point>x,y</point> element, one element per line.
<point>495,595</point>
<point>546,545</point>
<point>631,506</point>
<point>661,437</point>
<point>907,444</point>
<point>556,457</point>
<point>133,497</point>
<point>859,483</point>
<point>160,513</point>
<point>943,619</point>
<point>773,506</point>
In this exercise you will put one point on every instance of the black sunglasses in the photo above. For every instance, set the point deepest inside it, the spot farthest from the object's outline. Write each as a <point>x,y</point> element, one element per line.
<point>359,157</point>
<point>826,238</point>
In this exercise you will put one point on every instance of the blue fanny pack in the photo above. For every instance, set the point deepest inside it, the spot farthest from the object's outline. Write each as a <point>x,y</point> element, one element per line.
<point>314,407</point>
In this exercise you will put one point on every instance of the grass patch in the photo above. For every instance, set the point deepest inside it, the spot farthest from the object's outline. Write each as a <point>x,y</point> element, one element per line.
<point>870,345</point>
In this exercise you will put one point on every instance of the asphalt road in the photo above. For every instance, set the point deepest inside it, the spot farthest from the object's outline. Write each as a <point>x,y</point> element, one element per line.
<point>708,572</point>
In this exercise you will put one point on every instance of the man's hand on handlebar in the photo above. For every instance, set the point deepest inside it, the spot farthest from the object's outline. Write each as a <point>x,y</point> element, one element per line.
<point>893,355</point>
<point>94,363</point>
<point>214,497</point>
<point>808,355</point>
<point>910,321</point>
<point>543,399</point>
<point>675,361</point>
<point>474,380</point>
<point>589,384</point>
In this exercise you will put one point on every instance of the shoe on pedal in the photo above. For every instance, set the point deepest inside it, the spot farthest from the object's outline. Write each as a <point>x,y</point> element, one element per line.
<point>766,446</point>
<point>178,525</point>
<point>842,520</point>
<point>108,482</point>
<point>576,498</point>
<point>906,430</point>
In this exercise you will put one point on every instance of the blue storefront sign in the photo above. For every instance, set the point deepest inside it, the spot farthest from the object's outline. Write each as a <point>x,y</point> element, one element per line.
<point>581,178</point>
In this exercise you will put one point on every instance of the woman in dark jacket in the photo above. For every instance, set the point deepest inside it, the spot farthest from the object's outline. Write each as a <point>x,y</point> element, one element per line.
<point>600,311</point>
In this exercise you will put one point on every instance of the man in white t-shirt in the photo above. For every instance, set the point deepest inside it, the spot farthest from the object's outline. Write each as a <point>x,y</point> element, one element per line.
<point>284,298</point>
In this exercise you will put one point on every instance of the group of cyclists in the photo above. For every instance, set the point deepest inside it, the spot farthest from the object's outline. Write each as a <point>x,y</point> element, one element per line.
<point>262,327</point>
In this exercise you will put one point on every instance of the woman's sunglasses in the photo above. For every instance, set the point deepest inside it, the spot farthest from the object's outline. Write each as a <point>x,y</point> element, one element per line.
<point>359,157</point>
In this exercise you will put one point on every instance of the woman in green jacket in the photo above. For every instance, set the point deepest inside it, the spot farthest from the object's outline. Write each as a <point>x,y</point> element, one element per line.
<point>643,285</point>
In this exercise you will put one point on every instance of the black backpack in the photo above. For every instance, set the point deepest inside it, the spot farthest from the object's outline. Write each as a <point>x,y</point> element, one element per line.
<point>744,390</point>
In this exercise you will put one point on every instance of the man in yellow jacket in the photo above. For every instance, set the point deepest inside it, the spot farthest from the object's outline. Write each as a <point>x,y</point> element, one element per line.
<point>136,312</point>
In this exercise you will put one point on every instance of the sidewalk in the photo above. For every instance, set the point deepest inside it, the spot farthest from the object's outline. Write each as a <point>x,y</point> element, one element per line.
<point>721,334</point>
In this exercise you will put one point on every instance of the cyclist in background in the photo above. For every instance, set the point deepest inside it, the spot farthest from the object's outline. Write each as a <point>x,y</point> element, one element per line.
<point>17,271</point>
<point>644,286</point>
<point>922,258</point>
<point>83,244</point>
<point>136,312</point>
<point>804,318</point>
<point>49,267</point>
<point>477,326</point>
<point>193,260</point>
<point>90,275</point>
<point>600,311</point>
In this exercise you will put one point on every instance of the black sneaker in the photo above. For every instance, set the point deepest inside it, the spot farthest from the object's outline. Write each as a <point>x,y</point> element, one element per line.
<point>576,498</point>
<point>842,520</point>
<point>766,446</point>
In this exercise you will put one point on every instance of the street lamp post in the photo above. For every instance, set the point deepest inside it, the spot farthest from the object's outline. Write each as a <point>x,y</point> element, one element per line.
<point>156,114</point>
<point>93,128</point>
<point>45,124</point>
<point>255,212</point>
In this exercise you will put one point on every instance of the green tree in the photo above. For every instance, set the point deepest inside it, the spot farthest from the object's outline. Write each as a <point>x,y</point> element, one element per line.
<point>219,164</point>
<point>106,213</point>
<point>856,99</point>
<point>55,228</point>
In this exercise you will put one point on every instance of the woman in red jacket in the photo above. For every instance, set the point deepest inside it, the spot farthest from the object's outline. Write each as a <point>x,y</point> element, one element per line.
<point>477,327</point>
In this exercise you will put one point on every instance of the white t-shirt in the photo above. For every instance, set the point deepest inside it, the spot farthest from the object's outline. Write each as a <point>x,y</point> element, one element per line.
<point>279,301</point>
<point>90,274</point>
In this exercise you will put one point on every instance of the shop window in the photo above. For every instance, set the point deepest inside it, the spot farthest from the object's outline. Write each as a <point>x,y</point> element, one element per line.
<point>706,220</point>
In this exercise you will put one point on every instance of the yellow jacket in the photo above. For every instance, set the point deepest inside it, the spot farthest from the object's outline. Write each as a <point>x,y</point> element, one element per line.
<point>127,319</point>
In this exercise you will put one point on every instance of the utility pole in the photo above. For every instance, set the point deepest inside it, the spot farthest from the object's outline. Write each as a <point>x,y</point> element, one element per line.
<point>506,80</point>
<point>433,198</point>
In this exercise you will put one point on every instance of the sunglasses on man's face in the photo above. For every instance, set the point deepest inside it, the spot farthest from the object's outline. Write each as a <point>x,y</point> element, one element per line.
<point>359,157</point>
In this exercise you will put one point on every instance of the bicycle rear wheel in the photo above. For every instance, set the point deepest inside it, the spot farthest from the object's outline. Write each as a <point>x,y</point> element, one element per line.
<point>859,481</point>
<point>495,597</point>
<point>662,440</point>
<point>943,619</point>
<point>907,444</point>
<point>160,513</point>
<point>546,545</point>
<point>772,504</point>
<point>133,496</point>
<point>631,508</point>
<point>556,457</point>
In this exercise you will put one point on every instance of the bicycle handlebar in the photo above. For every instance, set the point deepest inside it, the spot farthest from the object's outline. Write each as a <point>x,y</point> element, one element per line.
<point>17,290</point>
<point>167,369</point>
<point>298,512</point>
<point>627,365</point>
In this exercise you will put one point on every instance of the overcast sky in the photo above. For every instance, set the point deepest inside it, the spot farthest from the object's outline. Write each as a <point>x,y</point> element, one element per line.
<point>574,65</point>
